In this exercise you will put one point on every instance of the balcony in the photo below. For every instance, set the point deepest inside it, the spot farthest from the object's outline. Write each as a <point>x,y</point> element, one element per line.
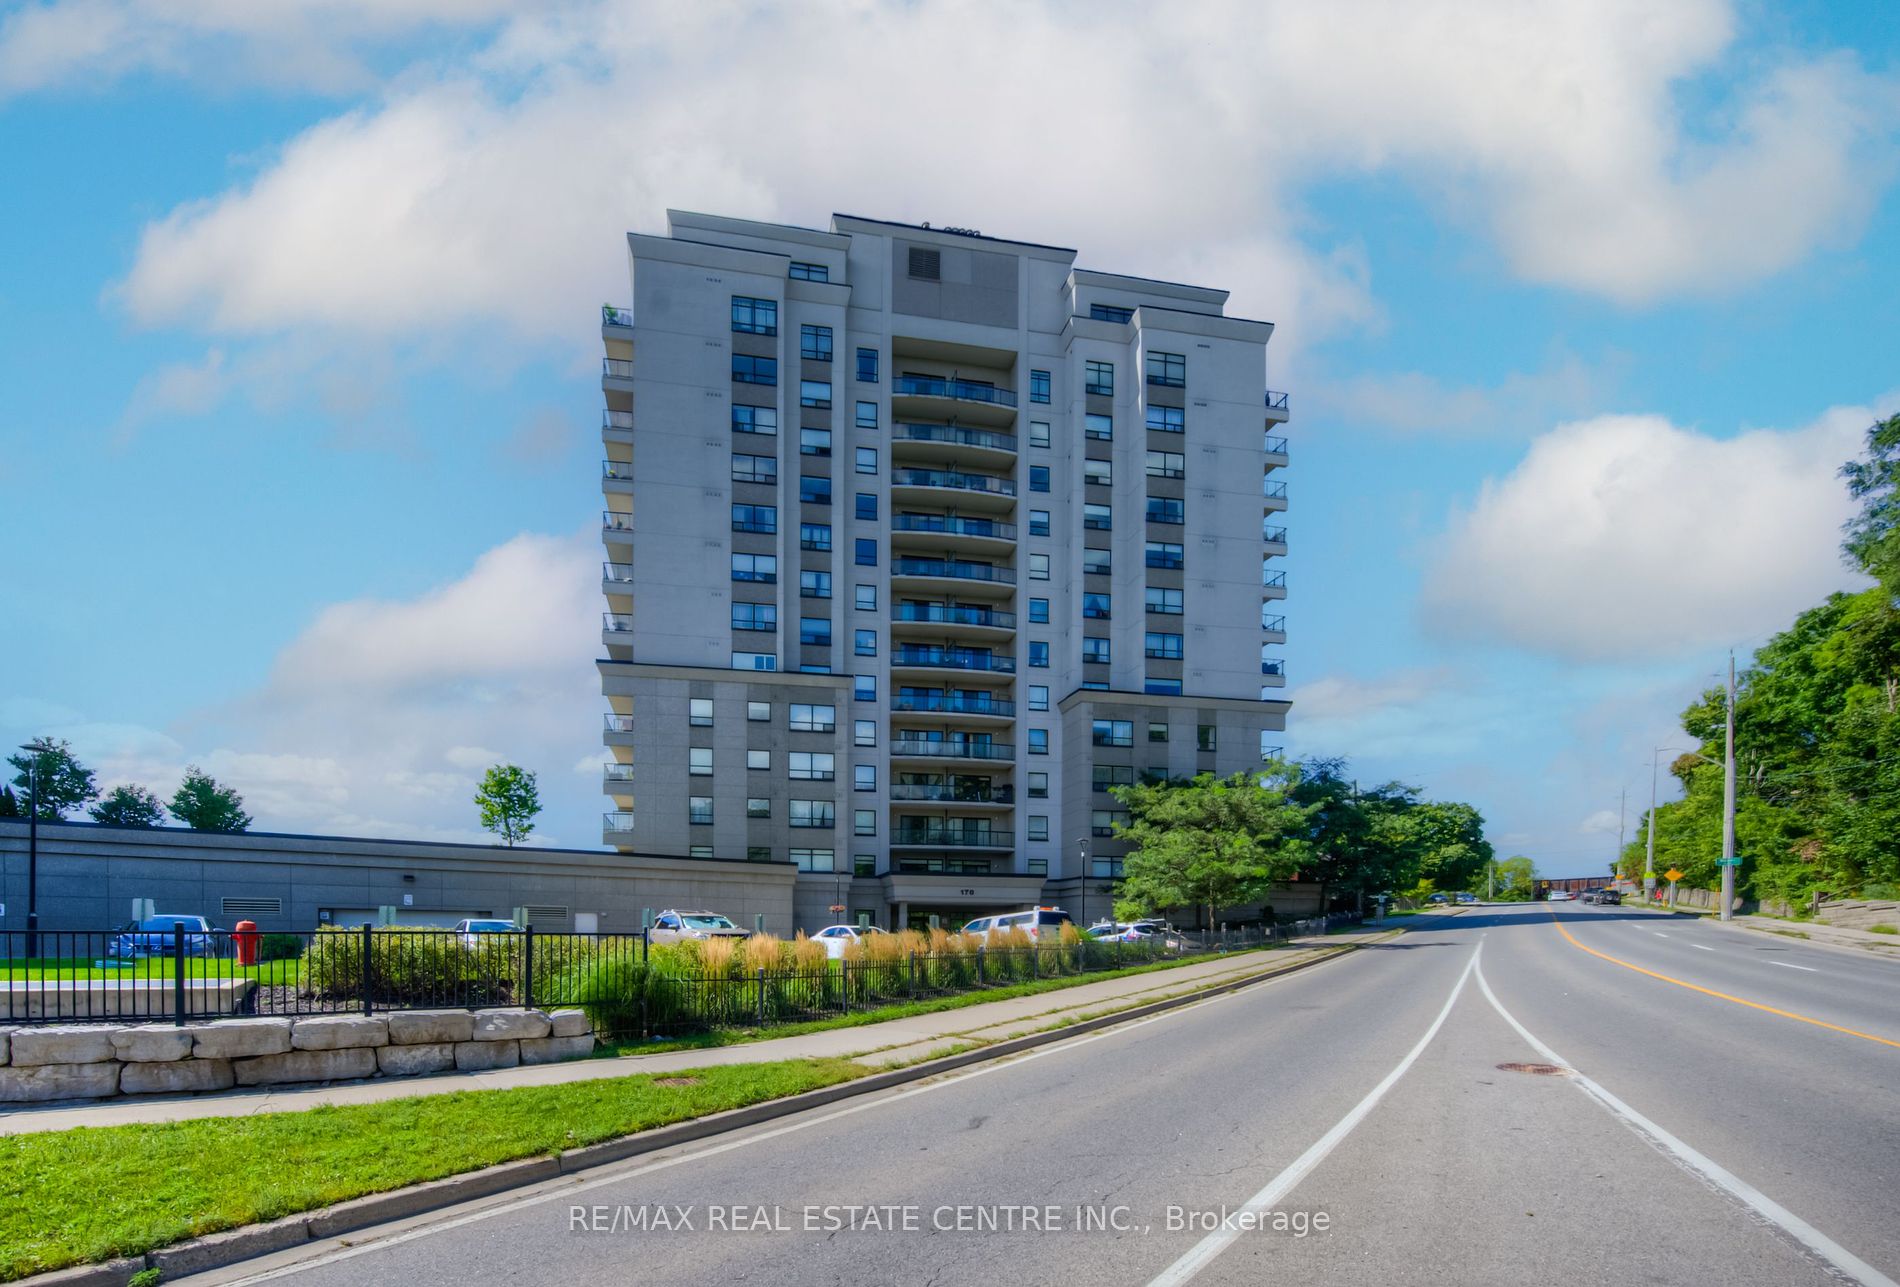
<point>617,373</point>
<point>1273,625</point>
<point>951,443</point>
<point>947,703</point>
<point>614,575</point>
<point>943,833</point>
<point>1272,752</point>
<point>616,773</point>
<point>976,578</point>
<point>953,614</point>
<point>617,320</point>
<point>930,748</point>
<point>1277,412</point>
<point>616,426</point>
<point>618,730</point>
<point>617,823</point>
<point>1273,672</point>
<point>926,486</point>
<point>1273,585</point>
<point>952,792</point>
<point>1276,451</point>
<point>915,657</point>
<point>616,623</point>
<point>928,398</point>
<point>1272,539</point>
<point>951,531</point>
<point>616,527</point>
<point>616,477</point>
<point>1275,496</point>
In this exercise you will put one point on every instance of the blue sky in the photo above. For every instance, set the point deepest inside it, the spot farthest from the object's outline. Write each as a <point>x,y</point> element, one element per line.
<point>1579,309</point>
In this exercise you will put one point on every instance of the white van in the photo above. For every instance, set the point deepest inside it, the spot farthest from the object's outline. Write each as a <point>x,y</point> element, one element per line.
<point>1035,922</point>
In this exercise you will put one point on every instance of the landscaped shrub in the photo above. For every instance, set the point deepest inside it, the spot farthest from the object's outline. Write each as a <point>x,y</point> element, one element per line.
<point>279,947</point>
<point>413,967</point>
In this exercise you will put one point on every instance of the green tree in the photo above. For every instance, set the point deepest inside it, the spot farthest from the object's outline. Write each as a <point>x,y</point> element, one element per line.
<point>1210,842</point>
<point>509,800</point>
<point>202,804</point>
<point>1513,880</point>
<point>10,806</point>
<point>1873,535</point>
<point>64,783</point>
<point>1358,840</point>
<point>1447,839</point>
<point>129,806</point>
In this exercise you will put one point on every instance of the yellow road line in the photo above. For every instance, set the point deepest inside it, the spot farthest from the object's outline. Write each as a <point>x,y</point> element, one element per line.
<point>1696,987</point>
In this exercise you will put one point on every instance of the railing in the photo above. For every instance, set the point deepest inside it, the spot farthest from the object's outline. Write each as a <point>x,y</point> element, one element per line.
<point>1274,579</point>
<point>1276,491</point>
<point>615,521</point>
<point>1276,623</point>
<point>618,622</point>
<point>953,703</point>
<point>611,316</point>
<point>955,434</point>
<point>611,419</point>
<point>1272,752</point>
<point>950,793</point>
<point>1273,535</point>
<point>972,750</point>
<point>952,658</point>
<point>1274,667</point>
<point>618,368</point>
<point>928,386</point>
<point>619,723</point>
<point>1276,446</point>
<point>954,525</point>
<point>947,614</point>
<point>1276,401</point>
<point>953,837</point>
<point>620,469</point>
<point>947,478</point>
<point>952,568</point>
<point>619,573</point>
<point>619,821</point>
<point>616,772</point>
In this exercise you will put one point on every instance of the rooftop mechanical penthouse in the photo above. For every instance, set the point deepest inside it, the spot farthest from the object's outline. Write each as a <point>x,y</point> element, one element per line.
<point>917,542</point>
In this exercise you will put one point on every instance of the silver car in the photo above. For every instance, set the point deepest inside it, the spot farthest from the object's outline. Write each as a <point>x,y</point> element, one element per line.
<point>672,926</point>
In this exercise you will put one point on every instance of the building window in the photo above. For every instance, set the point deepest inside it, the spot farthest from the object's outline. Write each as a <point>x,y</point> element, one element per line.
<point>867,598</point>
<point>1162,647</point>
<point>1163,687</point>
<point>1039,610</point>
<point>1112,732</point>
<point>1167,419</point>
<point>864,643</point>
<point>754,316</point>
<point>754,469</point>
<point>1164,554</point>
<point>1110,313</point>
<point>755,518</point>
<point>1039,522</point>
<point>754,661</point>
<point>819,860</point>
<point>699,712</point>
<point>1107,776</point>
<point>812,718</point>
<point>1039,697</point>
<point>866,511</point>
<point>1099,377</point>
<point>813,490</point>
<point>699,810</point>
<point>1097,518</point>
<point>814,442</point>
<point>864,732</point>
<point>1039,387</point>
<point>1157,732</point>
<point>754,370</point>
<point>814,668</point>
<point>864,688</point>
<point>755,420</point>
<point>1095,562</point>
<point>1094,685</point>
<point>814,585</point>
<point>814,342</point>
<point>758,806</point>
<point>1038,786</point>
<point>802,272</point>
<point>1039,433</point>
<point>812,766</point>
<point>1097,473</point>
<point>815,394</point>
<point>758,711</point>
<point>1162,602</point>
<point>1038,655</point>
<point>866,551</point>
<point>758,760</point>
<point>864,777</point>
<point>1098,427</point>
<point>1038,826</point>
<point>755,616</point>
<point>1095,606</point>
<point>813,813</point>
<point>1167,464</point>
<point>1169,370</point>
<point>864,822</point>
<point>867,415</point>
<point>1039,741</point>
<point>867,460</point>
<point>758,853</point>
<point>699,851</point>
<point>867,366</point>
<point>1039,478</point>
<point>699,761</point>
<point>1095,650</point>
<point>1204,738</point>
<point>1039,567</point>
<point>1102,822</point>
<point>814,632</point>
<point>1162,509</point>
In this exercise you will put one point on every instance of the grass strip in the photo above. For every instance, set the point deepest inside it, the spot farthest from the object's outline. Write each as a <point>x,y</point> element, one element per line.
<point>94,1193</point>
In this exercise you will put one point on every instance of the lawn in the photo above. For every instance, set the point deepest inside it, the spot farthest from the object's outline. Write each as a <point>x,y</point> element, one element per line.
<point>94,1193</point>
<point>36,969</point>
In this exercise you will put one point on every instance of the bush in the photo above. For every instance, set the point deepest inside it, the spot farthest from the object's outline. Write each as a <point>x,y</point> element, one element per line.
<point>410,967</point>
<point>1883,929</point>
<point>279,947</point>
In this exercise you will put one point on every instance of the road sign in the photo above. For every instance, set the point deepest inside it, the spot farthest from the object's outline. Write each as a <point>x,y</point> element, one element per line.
<point>1672,875</point>
<point>1736,861</point>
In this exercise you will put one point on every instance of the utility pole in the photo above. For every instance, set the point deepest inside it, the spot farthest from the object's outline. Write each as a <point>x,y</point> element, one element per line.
<point>1649,863</point>
<point>1728,803</point>
<point>1491,881</point>
<point>1622,823</point>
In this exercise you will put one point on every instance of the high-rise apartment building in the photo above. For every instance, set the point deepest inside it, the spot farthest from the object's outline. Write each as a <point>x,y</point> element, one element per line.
<point>918,541</point>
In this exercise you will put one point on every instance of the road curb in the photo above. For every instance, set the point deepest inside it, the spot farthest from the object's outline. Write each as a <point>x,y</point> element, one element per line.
<point>232,1246</point>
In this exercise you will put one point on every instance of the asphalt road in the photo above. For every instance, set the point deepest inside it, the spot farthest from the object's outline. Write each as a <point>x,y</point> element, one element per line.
<point>1691,1138</point>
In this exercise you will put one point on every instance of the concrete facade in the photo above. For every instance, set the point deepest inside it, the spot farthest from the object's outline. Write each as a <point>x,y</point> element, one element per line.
<point>964,499</point>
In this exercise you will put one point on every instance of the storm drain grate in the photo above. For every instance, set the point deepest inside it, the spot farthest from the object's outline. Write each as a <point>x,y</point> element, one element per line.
<point>1535,1070</point>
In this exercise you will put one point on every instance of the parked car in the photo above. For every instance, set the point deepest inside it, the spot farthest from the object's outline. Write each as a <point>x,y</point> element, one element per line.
<point>839,938</point>
<point>155,936</point>
<point>1439,898</point>
<point>1560,896</point>
<point>469,932</point>
<point>1610,897</point>
<point>1035,922</point>
<point>672,926</point>
<point>1144,932</point>
<point>1467,900</point>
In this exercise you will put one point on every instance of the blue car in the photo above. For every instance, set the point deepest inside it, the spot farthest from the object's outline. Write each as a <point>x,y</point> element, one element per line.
<point>154,936</point>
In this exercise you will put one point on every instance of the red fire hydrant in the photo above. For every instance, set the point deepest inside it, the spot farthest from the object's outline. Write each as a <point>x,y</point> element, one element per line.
<point>246,936</point>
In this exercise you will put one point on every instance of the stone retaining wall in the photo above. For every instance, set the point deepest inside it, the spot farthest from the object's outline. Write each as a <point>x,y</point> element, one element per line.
<point>94,1061</point>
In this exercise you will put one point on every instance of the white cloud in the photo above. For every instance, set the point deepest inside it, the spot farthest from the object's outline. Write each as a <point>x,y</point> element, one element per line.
<point>1626,537</point>
<point>1602,822</point>
<point>1520,404</point>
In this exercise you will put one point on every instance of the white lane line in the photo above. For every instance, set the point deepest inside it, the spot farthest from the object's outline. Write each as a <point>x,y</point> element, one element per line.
<point>1701,947</point>
<point>1784,965</point>
<point>1659,934</point>
<point>619,1175</point>
<point>1203,1252</point>
<point>1843,1260</point>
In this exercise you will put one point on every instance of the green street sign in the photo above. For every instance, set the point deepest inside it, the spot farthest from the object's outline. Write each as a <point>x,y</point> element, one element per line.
<point>1729,862</point>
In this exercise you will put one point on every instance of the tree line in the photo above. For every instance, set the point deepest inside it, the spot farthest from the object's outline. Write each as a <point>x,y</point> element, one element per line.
<point>1817,732</point>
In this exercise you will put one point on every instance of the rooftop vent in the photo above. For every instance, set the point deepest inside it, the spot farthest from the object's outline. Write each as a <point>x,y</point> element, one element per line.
<point>926,264</point>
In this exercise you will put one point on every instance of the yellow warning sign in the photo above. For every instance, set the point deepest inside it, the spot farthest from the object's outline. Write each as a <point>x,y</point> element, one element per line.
<point>1672,875</point>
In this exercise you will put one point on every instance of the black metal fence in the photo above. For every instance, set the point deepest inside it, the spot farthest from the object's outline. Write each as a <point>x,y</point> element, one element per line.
<point>630,990</point>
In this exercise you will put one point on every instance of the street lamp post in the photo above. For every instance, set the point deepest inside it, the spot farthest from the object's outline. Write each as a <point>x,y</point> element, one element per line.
<point>1728,803</point>
<point>1082,848</point>
<point>33,750</point>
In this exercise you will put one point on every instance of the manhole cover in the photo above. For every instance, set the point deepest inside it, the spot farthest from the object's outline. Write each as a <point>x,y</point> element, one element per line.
<point>1535,1070</point>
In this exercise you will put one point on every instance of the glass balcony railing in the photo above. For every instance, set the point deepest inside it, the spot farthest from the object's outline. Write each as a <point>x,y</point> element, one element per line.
<point>951,793</point>
<point>615,521</point>
<point>616,773</point>
<point>617,368</point>
<point>953,703</point>
<point>955,435</point>
<point>1276,401</point>
<point>618,573</point>
<point>619,723</point>
<point>1274,491</point>
<point>952,659</point>
<point>952,479</point>
<point>1276,446</point>
<point>973,749</point>
<point>1275,623</point>
<point>617,469</point>
<point>952,614</point>
<point>1273,666</point>
<point>1272,535</point>
<point>617,622</point>
<point>617,822</point>
<point>611,419</point>
<point>952,835</point>
<point>952,568</point>
<point>930,386</point>
<point>611,316</point>
<point>953,525</point>
<point>1274,580</point>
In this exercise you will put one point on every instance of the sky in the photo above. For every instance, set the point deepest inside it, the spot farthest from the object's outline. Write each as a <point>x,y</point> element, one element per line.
<point>1581,305</point>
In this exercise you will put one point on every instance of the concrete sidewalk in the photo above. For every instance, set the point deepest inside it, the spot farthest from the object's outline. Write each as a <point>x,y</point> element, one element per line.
<point>1887,945</point>
<point>888,1044</point>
